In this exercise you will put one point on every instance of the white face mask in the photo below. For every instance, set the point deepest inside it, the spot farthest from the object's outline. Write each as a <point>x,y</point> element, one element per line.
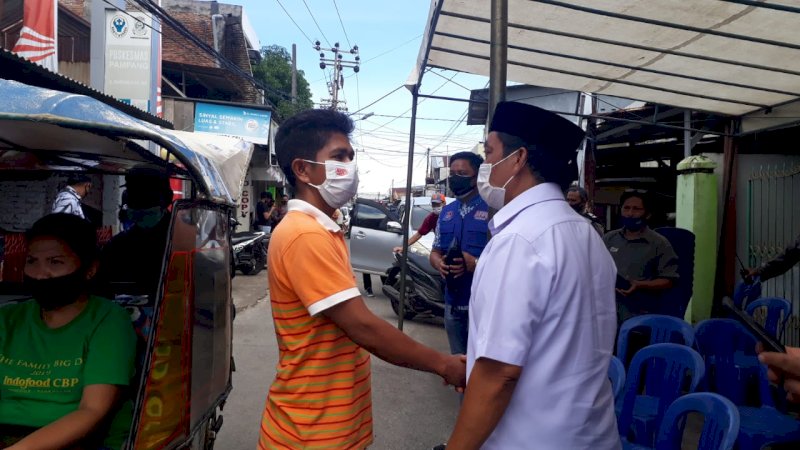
<point>494,196</point>
<point>341,182</point>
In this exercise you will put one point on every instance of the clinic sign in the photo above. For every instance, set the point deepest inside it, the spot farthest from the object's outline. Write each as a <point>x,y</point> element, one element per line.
<point>128,57</point>
<point>252,125</point>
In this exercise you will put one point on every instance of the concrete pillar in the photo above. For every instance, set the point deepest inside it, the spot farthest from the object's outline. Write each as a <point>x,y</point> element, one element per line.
<point>697,212</point>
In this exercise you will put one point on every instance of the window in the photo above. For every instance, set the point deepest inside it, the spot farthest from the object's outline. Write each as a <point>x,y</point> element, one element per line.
<point>370,217</point>
<point>418,215</point>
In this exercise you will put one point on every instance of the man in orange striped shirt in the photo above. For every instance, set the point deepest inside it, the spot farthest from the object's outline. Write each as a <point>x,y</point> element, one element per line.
<point>321,396</point>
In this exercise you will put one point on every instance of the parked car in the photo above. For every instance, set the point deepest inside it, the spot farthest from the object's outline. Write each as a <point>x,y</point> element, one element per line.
<point>374,232</point>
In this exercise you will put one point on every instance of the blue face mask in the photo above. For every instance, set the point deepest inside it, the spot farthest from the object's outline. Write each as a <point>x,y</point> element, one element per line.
<point>633,223</point>
<point>146,218</point>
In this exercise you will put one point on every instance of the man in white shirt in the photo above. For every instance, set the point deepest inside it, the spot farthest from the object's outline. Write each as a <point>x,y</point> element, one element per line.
<point>69,199</point>
<point>543,317</point>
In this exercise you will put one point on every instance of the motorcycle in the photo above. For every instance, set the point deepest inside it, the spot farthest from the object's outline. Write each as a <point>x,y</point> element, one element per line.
<point>250,251</point>
<point>424,285</point>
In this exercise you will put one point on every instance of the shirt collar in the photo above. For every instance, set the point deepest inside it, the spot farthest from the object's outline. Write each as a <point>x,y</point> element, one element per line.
<point>540,193</point>
<point>645,236</point>
<point>307,208</point>
<point>72,191</point>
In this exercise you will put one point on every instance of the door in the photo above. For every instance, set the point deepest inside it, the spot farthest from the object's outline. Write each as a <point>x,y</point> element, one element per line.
<point>371,242</point>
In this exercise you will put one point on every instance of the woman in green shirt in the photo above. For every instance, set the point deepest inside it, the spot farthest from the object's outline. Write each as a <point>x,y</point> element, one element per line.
<point>66,357</point>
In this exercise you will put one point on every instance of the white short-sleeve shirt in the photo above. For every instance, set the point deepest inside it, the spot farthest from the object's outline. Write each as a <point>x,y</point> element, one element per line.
<point>543,299</point>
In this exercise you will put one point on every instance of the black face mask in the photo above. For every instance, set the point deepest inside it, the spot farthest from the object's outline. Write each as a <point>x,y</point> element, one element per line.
<point>54,293</point>
<point>460,185</point>
<point>578,208</point>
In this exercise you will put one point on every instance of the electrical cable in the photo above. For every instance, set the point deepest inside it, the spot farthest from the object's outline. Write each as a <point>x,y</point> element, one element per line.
<point>376,101</point>
<point>347,38</point>
<point>294,22</point>
<point>316,23</point>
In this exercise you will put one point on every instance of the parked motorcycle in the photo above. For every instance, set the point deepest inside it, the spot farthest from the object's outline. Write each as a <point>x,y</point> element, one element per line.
<point>424,285</point>
<point>250,251</point>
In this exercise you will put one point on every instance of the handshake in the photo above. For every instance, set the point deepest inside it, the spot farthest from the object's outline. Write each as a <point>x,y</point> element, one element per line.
<point>453,370</point>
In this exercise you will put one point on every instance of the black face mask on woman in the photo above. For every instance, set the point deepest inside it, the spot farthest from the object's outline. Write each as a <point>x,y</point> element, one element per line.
<point>57,292</point>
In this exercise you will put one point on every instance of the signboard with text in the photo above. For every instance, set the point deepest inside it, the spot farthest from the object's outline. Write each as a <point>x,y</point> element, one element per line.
<point>128,57</point>
<point>249,124</point>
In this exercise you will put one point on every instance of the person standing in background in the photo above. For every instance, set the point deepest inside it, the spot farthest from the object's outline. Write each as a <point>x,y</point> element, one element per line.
<point>69,199</point>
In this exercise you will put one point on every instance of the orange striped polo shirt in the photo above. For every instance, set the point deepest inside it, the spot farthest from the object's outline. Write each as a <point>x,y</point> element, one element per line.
<point>321,397</point>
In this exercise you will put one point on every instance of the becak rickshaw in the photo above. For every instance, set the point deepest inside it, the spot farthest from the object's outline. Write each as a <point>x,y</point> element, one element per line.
<point>184,363</point>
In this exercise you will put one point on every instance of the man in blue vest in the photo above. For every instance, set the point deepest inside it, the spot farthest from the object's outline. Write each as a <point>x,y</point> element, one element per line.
<point>462,235</point>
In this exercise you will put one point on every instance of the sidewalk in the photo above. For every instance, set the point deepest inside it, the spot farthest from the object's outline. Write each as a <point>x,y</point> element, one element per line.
<point>249,289</point>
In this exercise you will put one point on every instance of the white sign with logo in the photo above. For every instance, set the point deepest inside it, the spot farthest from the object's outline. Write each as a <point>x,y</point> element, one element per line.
<point>128,62</point>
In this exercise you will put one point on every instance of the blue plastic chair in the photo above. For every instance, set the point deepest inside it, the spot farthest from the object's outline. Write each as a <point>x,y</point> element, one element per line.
<point>746,293</point>
<point>729,351</point>
<point>616,373</point>
<point>766,425</point>
<point>663,329</point>
<point>720,424</point>
<point>657,376</point>
<point>674,301</point>
<point>778,312</point>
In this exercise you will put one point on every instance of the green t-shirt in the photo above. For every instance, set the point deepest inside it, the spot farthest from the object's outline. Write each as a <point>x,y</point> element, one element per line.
<point>43,371</point>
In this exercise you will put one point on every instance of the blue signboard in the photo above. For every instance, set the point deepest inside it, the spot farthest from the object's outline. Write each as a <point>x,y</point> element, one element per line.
<point>249,124</point>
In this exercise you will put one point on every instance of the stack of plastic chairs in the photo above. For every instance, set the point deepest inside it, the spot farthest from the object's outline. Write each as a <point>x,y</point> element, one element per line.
<point>616,373</point>
<point>661,329</point>
<point>658,375</point>
<point>778,311</point>
<point>720,423</point>
<point>729,351</point>
<point>766,424</point>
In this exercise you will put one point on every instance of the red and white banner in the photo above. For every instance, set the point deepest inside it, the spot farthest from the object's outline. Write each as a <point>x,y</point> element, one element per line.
<point>38,40</point>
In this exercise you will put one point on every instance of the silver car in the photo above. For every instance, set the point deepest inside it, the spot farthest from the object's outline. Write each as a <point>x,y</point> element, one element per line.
<point>375,232</point>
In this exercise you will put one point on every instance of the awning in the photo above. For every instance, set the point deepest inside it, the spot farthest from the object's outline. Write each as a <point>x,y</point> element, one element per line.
<point>730,57</point>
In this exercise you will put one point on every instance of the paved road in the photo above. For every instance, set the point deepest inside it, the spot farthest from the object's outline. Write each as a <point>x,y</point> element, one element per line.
<point>412,410</point>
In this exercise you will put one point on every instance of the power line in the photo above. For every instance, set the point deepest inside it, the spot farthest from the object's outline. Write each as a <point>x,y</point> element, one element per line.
<point>316,23</point>
<point>376,101</point>
<point>450,80</point>
<point>293,21</point>
<point>393,49</point>
<point>347,38</point>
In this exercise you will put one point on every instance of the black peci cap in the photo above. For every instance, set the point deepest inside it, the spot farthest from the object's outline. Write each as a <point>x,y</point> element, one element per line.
<point>555,138</point>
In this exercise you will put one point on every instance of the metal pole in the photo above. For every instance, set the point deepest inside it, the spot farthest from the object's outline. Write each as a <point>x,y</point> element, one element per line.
<point>498,56</point>
<point>687,134</point>
<point>407,214</point>
<point>294,73</point>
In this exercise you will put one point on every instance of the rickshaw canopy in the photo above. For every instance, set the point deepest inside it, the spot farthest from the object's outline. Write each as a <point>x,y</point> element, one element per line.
<point>44,129</point>
<point>736,57</point>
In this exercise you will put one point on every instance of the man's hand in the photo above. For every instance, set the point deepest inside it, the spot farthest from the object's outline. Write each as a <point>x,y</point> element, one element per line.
<point>397,250</point>
<point>442,267</point>
<point>784,367</point>
<point>457,269</point>
<point>626,292</point>
<point>749,274</point>
<point>454,371</point>
<point>470,262</point>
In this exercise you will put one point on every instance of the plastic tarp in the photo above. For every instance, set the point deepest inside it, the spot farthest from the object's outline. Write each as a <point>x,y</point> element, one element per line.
<point>42,121</point>
<point>726,57</point>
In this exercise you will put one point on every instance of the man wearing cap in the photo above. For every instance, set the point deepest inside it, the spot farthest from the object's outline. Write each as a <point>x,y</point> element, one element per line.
<point>540,332</point>
<point>136,255</point>
<point>429,223</point>
<point>69,199</point>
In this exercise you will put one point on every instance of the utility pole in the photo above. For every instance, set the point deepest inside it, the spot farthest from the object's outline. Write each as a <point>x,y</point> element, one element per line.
<point>428,163</point>
<point>339,64</point>
<point>294,73</point>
